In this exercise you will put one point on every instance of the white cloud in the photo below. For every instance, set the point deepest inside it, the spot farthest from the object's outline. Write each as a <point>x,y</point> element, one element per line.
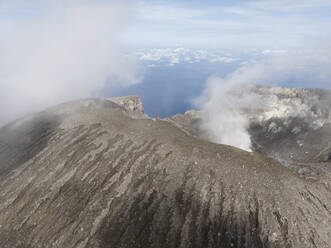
<point>221,59</point>
<point>268,51</point>
<point>174,61</point>
<point>61,51</point>
<point>173,56</point>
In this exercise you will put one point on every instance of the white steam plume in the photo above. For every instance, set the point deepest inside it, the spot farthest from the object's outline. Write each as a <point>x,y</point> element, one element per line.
<point>53,51</point>
<point>221,113</point>
<point>223,120</point>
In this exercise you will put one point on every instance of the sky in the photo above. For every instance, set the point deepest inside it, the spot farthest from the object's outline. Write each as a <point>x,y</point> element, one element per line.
<point>225,24</point>
<point>166,51</point>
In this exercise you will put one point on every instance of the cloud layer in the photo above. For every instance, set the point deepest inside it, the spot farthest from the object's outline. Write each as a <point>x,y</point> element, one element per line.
<point>53,51</point>
<point>174,56</point>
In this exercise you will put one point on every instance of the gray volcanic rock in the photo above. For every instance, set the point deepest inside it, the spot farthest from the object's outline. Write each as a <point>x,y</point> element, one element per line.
<point>294,127</point>
<point>292,124</point>
<point>288,124</point>
<point>87,174</point>
<point>133,104</point>
<point>188,123</point>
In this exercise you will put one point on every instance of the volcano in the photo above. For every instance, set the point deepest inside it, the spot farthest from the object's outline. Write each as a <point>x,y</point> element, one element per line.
<point>101,173</point>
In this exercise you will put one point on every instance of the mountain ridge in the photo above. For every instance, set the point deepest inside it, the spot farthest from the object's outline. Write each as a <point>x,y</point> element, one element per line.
<point>93,176</point>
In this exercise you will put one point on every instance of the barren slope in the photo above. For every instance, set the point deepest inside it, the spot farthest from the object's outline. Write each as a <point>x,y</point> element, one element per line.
<point>86,174</point>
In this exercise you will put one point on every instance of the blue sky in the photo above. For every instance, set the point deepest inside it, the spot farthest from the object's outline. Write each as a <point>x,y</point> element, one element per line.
<point>229,24</point>
<point>205,24</point>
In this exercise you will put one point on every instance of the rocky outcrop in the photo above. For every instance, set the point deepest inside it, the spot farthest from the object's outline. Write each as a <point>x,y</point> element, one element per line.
<point>132,104</point>
<point>86,174</point>
<point>291,124</point>
<point>188,122</point>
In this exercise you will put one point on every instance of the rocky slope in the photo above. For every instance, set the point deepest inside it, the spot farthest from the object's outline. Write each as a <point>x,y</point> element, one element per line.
<point>298,119</point>
<point>91,174</point>
<point>292,126</point>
